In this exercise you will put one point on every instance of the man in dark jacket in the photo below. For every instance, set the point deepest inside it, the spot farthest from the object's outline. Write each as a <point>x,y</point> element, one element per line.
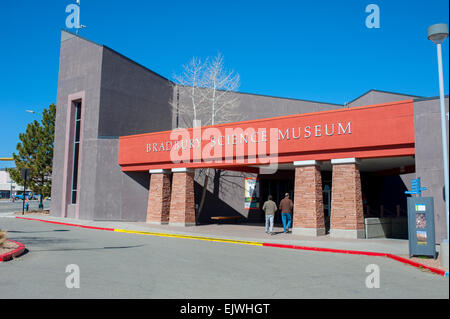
<point>286,207</point>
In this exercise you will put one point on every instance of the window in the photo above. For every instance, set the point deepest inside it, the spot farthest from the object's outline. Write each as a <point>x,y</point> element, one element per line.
<point>76,151</point>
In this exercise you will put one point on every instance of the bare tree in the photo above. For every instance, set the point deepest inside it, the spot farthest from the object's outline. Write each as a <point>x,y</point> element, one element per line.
<point>209,93</point>
<point>192,79</point>
<point>208,96</point>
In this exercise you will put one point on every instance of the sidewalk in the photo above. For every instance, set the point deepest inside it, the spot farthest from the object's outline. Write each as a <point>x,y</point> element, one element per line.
<point>243,232</point>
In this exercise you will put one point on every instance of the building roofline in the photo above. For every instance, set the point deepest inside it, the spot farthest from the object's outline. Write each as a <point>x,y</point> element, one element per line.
<point>73,35</point>
<point>430,98</point>
<point>416,98</point>
<point>273,96</point>
<point>118,53</point>
<point>382,91</point>
<point>289,98</point>
<point>138,64</point>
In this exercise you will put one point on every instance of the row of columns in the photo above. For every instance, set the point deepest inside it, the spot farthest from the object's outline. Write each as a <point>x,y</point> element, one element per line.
<point>347,217</point>
<point>173,202</point>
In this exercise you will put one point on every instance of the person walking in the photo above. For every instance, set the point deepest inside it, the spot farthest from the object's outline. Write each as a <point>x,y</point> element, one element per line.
<point>269,209</point>
<point>286,206</point>
<point>27,203</point>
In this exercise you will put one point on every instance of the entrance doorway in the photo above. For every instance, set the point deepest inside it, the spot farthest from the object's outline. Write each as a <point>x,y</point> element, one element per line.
<point>277,185</point>
<point>327,205</point>
<point>326,191</point>
<point>283,182</point>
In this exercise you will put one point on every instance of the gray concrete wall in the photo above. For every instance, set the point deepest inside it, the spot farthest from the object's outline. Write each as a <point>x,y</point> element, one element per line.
<point>121,98</point>
<point>79,70</point>
<point>118,195</point>
<point>134,100</point>
<point>429,167</point>
<point>252,107</point>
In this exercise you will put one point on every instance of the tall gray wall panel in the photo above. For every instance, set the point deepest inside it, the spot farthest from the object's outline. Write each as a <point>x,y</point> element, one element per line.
<point>118,195</point>
<point>79,70</point>
<point>134,100</point>
<point>429,165</point>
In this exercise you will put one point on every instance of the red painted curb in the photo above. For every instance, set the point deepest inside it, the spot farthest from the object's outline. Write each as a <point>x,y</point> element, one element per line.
<point>13,253</point>
<point>366,253</point>
<point>330,250</point>
<point>417,265</point>
<point>65,224</point>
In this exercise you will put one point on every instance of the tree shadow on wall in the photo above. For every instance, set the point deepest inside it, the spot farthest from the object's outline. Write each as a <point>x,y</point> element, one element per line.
<point>222,184</point>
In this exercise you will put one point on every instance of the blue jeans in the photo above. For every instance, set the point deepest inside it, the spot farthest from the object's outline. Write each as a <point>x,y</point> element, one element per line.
<point>269,221</point>
<point>287,220</point>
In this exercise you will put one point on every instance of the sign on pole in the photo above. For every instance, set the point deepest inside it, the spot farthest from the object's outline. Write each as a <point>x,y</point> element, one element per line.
<point>24,173</point>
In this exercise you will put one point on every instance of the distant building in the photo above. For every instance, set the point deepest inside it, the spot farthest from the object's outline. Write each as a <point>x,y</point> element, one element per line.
<point>7,185</point>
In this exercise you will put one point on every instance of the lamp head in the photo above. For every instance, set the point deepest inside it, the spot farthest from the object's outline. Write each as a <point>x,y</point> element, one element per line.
<point>438,33</point>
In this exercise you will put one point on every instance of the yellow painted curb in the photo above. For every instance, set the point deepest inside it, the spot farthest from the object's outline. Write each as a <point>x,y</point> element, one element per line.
<point>254,243</point>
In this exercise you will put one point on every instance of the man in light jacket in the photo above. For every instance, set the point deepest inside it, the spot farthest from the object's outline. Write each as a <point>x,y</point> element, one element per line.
<point>269,209</point>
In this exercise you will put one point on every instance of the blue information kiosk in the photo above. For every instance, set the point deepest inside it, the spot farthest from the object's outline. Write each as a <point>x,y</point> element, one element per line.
<point>420,222</point>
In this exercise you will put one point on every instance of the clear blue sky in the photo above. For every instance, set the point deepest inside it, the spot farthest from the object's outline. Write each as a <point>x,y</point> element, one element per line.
<point>315,50</point>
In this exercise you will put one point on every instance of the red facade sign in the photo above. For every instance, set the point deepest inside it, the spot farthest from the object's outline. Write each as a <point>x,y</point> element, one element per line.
<point>382,130</point>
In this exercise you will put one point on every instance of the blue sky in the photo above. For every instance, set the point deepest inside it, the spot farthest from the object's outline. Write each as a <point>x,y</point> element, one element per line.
<point>315,50</point>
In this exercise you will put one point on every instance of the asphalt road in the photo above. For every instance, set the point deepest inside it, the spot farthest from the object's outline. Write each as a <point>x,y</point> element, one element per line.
<point>7,207</point>
<point>121,265</point>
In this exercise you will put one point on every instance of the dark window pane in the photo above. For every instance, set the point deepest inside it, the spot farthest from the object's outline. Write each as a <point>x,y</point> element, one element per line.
<point>74,197</point>
<point>78,110</point>
<point>77,131</point>
<point>75,167</point>
<point>76,150</point>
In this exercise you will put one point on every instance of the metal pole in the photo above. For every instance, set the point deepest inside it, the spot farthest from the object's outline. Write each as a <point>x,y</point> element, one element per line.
<point>24,189</point>
<point>444,131</point>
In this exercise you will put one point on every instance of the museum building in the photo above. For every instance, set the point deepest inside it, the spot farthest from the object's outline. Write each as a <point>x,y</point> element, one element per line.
<point>120,153</point>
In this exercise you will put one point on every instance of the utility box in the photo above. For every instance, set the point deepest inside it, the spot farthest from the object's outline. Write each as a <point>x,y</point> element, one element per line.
<point>421,227</point>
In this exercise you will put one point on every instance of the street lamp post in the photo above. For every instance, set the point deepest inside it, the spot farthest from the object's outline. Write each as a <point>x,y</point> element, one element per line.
<point>438,33</point>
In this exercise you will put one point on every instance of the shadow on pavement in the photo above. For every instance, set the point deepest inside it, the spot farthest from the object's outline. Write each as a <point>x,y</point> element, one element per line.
<point>99,248</point>
<point>34,232</point>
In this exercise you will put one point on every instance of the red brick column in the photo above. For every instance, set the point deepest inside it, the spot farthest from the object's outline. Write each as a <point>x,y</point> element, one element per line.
<point>308,218</point>
<point>182,206</point>
<point>347,217</point>
<point>158,197</point>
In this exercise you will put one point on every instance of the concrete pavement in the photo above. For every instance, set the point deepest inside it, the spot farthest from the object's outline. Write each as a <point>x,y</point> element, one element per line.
<point>122,265</point>
<point>251,233</point>
<point>233,232</point>
<point>7,207</point>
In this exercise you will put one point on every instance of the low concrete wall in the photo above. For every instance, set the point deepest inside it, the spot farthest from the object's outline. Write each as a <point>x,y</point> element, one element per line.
<point>386,227</point>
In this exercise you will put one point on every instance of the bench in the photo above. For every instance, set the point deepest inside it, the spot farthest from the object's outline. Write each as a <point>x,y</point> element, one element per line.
<point>220,219</point>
